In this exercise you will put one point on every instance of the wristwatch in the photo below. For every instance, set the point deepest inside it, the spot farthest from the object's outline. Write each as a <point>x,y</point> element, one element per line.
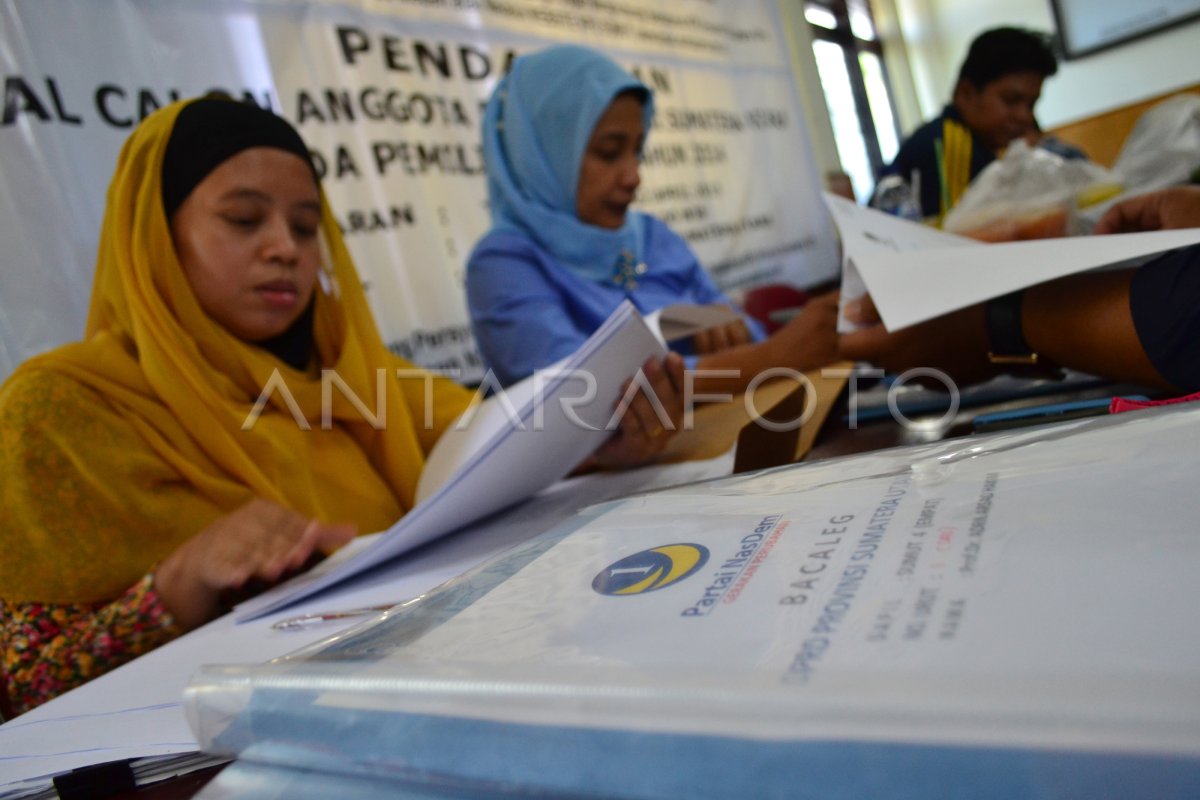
<point>1005,338</point>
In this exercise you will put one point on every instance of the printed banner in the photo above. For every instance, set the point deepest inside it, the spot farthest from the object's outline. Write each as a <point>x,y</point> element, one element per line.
<point>388,94</point>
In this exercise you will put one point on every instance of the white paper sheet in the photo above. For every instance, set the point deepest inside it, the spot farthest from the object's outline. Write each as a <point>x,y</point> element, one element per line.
<point>867,231</point>
<point>914,272</point>
<point>488,422</point>
<point>476,428</point>
<point>912,287</point>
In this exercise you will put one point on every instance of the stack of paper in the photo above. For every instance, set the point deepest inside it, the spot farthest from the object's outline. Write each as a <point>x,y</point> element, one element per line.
<point>521,441</point>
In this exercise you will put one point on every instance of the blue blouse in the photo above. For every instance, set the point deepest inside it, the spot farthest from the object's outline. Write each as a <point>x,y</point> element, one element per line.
<point>528,311</point>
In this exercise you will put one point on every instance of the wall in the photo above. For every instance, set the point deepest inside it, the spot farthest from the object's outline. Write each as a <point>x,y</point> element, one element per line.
<point>937,33</point>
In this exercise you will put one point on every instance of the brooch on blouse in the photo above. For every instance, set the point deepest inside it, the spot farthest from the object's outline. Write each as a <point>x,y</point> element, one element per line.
<point>628,271</point>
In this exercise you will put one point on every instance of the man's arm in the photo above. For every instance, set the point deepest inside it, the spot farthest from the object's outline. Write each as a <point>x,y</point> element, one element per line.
<point>1080,321</point>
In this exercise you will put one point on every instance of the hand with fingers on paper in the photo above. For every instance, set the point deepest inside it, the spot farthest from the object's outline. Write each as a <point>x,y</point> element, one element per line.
<point>954,343</point>
<point>721,337</point>
<point>1167,209</point>
<point>261,541</point>
<point>648,413</point>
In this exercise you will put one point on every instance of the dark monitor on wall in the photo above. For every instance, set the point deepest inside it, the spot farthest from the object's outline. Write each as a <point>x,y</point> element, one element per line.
<point>1089,26</point>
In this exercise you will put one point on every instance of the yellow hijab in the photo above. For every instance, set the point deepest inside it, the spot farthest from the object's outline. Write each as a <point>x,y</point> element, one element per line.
<point>114,450</point>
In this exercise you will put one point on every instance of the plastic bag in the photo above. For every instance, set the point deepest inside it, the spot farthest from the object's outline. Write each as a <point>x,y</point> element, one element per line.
<point>1030,193</point>
<point>1163,148</point>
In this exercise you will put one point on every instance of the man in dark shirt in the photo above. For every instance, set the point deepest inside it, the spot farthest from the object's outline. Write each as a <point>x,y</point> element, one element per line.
<point>998,84</point>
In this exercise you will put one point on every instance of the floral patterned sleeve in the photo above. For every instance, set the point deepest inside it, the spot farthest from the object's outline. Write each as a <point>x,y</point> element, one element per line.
<point>48,649</point>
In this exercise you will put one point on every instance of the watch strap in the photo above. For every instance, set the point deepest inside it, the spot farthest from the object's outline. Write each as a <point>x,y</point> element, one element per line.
<point>1006,340</point>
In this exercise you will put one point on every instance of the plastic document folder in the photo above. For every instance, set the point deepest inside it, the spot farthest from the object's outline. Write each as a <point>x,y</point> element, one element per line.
<point>1000,616</point>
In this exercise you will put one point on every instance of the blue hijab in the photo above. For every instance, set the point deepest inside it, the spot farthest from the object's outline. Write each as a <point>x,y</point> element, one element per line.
<point>535,131</point>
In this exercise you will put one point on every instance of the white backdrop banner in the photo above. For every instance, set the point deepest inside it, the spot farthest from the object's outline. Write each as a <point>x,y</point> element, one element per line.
<point>388,94</point>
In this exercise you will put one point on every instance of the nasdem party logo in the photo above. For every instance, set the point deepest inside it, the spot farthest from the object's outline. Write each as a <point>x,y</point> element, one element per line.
<point>656,568</point>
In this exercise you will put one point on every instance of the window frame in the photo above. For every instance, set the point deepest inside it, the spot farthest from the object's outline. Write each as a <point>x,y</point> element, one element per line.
<point>843,36</point>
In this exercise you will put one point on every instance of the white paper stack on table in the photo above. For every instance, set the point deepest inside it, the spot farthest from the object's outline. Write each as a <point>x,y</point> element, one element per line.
<point>914,272</point>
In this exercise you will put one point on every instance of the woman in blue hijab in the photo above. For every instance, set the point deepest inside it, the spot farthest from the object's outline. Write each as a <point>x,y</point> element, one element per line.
<point>562,140</point>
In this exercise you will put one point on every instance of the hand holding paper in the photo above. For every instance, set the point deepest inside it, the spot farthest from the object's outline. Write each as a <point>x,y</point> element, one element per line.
<point>867,232</point>
<point>651,409</point>
<point>1169,209</point>
<point>915,273</point>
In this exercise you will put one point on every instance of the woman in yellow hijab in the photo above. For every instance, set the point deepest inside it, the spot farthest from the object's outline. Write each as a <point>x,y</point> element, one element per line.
<point>184,448</point>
